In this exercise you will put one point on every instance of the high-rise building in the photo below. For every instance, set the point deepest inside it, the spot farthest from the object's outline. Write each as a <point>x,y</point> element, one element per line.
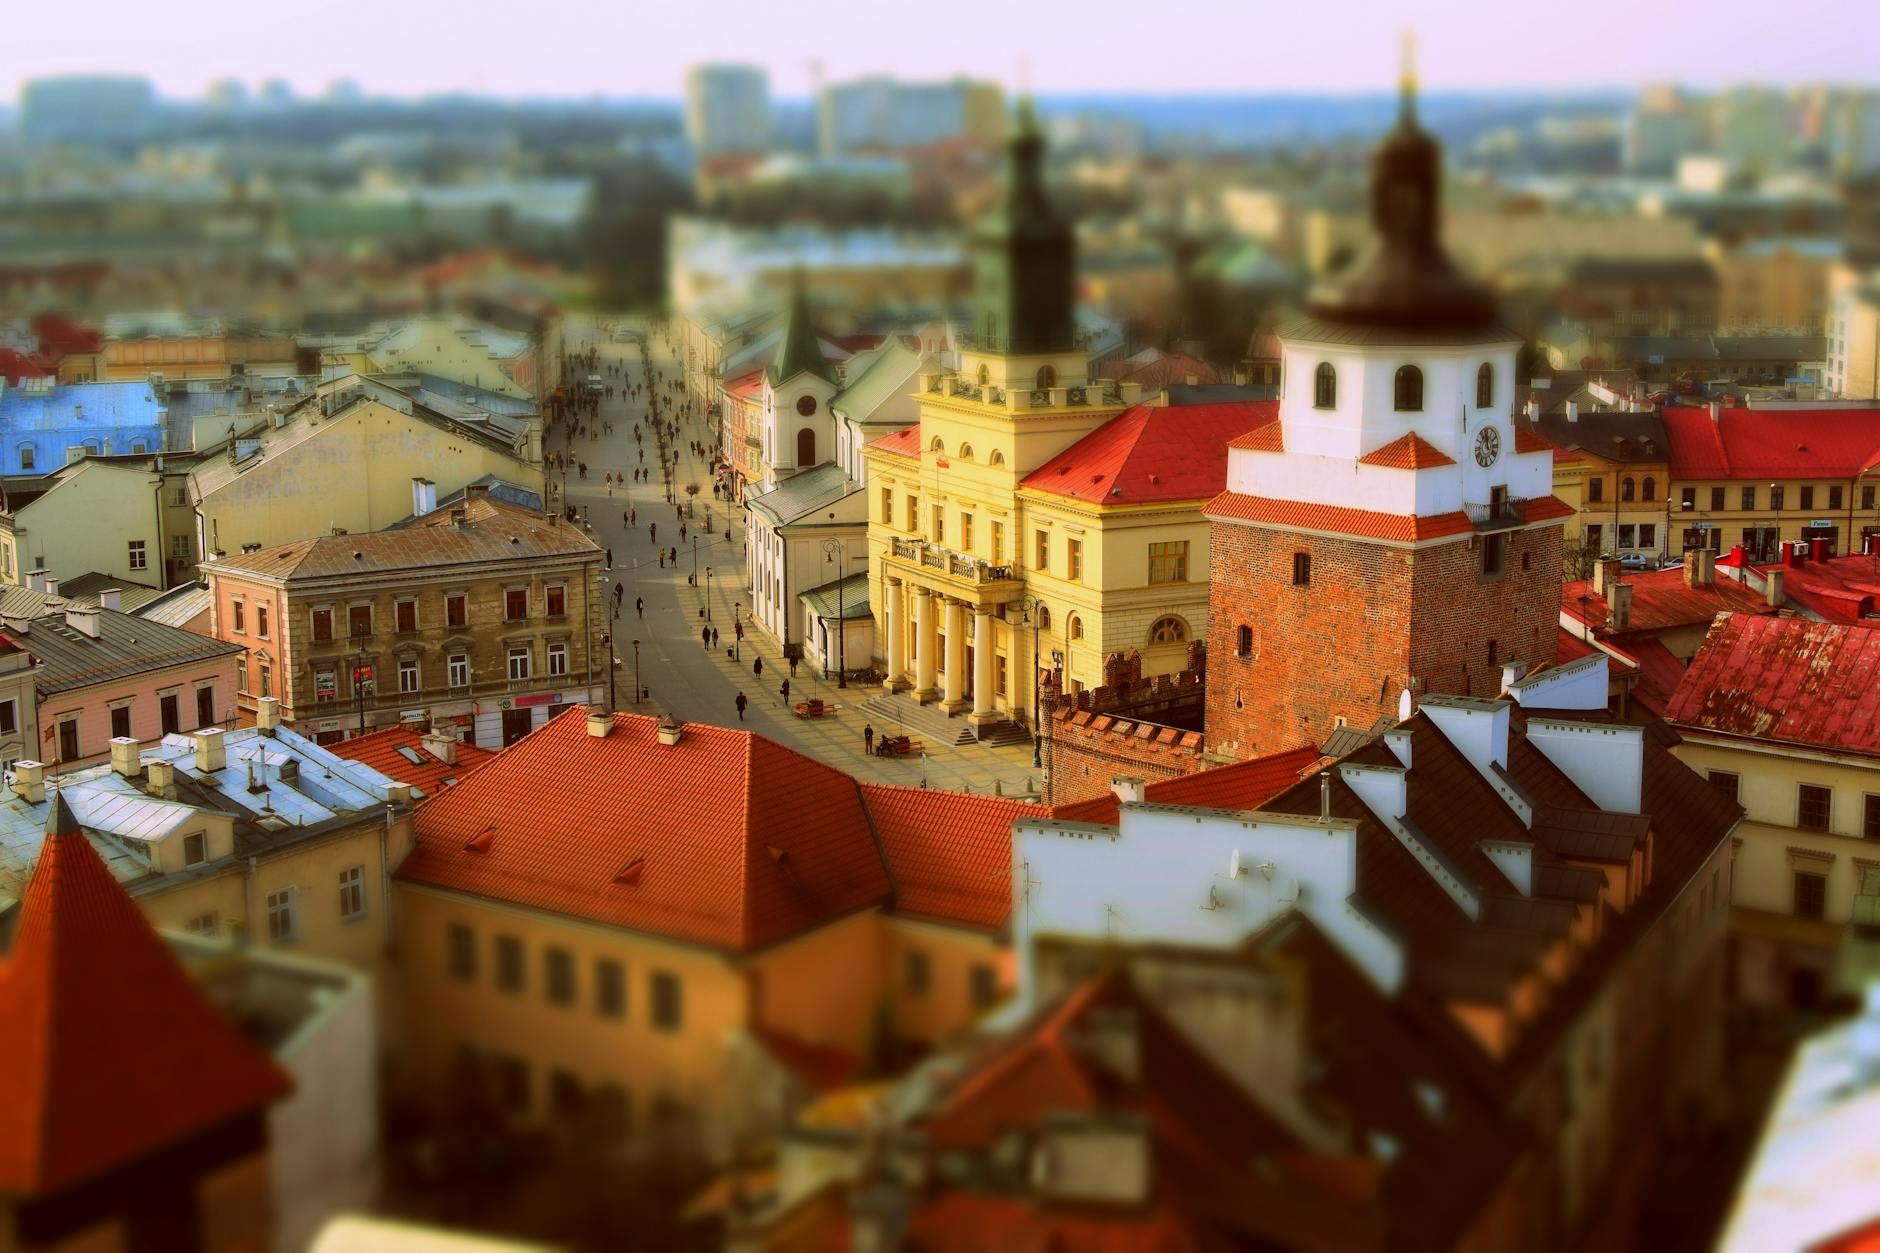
<point>86,107</point>
<point>881,112</point>
<point>727,108</point>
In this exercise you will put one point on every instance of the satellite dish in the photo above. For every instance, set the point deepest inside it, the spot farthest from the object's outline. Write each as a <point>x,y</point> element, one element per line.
<point>1405,706</point>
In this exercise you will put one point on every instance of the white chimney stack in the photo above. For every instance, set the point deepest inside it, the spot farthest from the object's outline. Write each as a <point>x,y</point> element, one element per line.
<point>162,779</point>
<point>211,751</point>
<point>268,713</point>
<point>1772,591</point>
<point>29,781</point>
<point>670,729</point>
<point>600,723</point>
<point>441,745</point>
<point>52,585</point>
<point>1573,411</point>
<point>111,598</point>
<point>423,496</point>
<point>1128,789</point>
<point>83,619</point>
<point>124,762</point>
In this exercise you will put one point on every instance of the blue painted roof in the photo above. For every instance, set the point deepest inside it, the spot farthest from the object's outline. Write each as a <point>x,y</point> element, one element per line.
<point>104,405</point>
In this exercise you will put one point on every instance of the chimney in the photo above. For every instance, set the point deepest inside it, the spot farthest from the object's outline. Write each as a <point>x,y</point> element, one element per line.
<point>1534,410</point>
<point>1191,380</point>
<point>1772,586</point>
<point>476,491</point>
<point>1716,412</point>
<point>670,729</point>
<point>1325,796</point>
<point>398,793</point>
<point>1242,376</point>
<point>460,518</point>
<point>600,724</point>
<point>1605,577</point>
<point>29,781</point>
<point>1818,548</point>
<point>111,598</point>
<point>1698,571</point>
<point>1573,411</point>
<point>268,713</point>
<point>1129,790</point>
<point>1793,554</point>
<point>1512,672</point>
<point>1738,556</point>
<point>52,586</point>
<point>1619,607</point>
<point>36,580</point>
<point>83,619</point>
<point>423,496</point>
<point>1131,392</point>
<point>160,779</point>
<point>442,746</point>
<point>124,762</point>
<point>211,752</point>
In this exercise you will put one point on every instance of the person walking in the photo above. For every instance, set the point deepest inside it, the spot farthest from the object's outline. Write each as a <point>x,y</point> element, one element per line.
<point>714,637</point>
<point>741,706</point>
<point>784,691</point>
<point>639,606</point>
<point>793,667</point>
<point>705,638</point>
<point>652,532</point>
<point>868,738</point>
<point>610,559</point>
<point>757,667</point>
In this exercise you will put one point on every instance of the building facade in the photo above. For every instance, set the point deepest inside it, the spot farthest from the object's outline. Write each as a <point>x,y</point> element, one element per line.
<point>727,109</point>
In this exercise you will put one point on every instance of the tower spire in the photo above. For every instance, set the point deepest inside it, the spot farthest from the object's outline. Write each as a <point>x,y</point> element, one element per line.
<point>1407,79</point>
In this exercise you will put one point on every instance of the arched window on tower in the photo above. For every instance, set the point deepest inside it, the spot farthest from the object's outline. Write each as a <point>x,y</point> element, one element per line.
<point>1484,386</point>
<point>938,445</point>
<point>1047,377</point>
<point>1076,628</point>
<point>966,452</point>
<point>1407,395</point>
<point>1325,386</point>
<point>985,374</point>
<point>806,447</point>
<point>1169,630</point>
<point>1628,490</point>
<point>997,458</point>
<point>1650,491</point>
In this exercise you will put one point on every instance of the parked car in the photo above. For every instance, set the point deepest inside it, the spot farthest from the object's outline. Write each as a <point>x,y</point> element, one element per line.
<point>1637,561</point>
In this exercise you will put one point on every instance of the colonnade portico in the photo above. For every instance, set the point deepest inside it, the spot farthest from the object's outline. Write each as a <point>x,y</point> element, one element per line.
<point>962,623</point>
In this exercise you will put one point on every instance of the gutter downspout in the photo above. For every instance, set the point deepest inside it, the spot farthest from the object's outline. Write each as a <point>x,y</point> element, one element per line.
<point>385,870</point>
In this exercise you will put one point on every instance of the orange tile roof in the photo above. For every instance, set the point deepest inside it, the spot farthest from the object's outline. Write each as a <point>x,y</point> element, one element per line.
<point>1152,453</point>
<point>951,852</point>
<point>382,751</point>
<point>1546,508</point>
<point>1661,600</point>
<point>1402,528</point>
<point>1241,785</point>
<point>746,385</point>
<point>903,443</point>
<point>737,842</point>
<point>108,1049</point>
<point>1408,452</point>
<point>1527,441</point>
<point>1268,438</point>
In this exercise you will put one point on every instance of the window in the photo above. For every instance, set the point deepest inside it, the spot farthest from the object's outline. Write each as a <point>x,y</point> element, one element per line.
<point>966,532</point>
<point>1808,496</point>
<point>1726,781</point>
<point>1494,555</point>
<point>1047,377</point>
<point>1168,562</point>
<point>913,513</point>
<point>202,924</point>
<point>456,609</point>
<point>322,620</point>
<point>1749,498</point>
<point>917,974</point>
<point>1302,569</point>
<point>557,659</point>
<point>68,739</point>
<point>1648,534</point>
<point>939,524</point>
<point>408,674</point>
<point>1835,498</point>
<point>806,441</point>
<point>1484,386</point>
<point>509,975</point>
<point>1776,494</point>
<point>565,1096</point>
<point>9,717</point>
<point>405,615</point>
<point>1716,500</point>
<point>194,853</point>
<point>138,557</point>
<point>1494,658</point>
<point>887,506</point>
<point>458,668</point>
<point>610,988</point>
<point>668,1008</point>
<point>281,914</point>
<point>121,722</point>
<point>1074,629</point>
<point>982,984</point>
<point>261,621</point>
<point>238,617</point>
<point>1325,386</point>
<point>1407,390</point>
<point>461,946</point>
<point>1811,894</point>
<point>1243,641</point>
<point>996,459</point>
<point>1867,496</point>
<point>558,975</point>
<point>205,706</point>
<point>1074,556</point>
<point>516,604</point>
<point>1650,489</point>
<point>519,662</point>
<point>1595,490</point>
<point>1812,807</point>
<point>27,457</point>
<point>352,893</point>
<point>265,679</point>
<point>998,675</point>
<point>1042,557</point>
<point>1628,490</point>
<point>998,543</point>
<point>1870,819</point>
<point>359,621</point>
<point>1170,630</point>
<point>509,1076</point>
<point>169,718</point>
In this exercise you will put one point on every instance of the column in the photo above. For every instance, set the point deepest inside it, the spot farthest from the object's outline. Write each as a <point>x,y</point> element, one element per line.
<point>893,607</point>
<point>984,647</point>
<point>956,656</point>
<point>925,639</point>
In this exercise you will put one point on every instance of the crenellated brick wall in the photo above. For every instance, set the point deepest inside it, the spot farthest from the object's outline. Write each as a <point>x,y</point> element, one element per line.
<point>1146,728</point>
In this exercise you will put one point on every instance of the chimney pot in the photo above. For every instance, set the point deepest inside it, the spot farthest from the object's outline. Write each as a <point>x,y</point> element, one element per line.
<point>124,761</point>
<point>52,586</point>
<point>600,723</point>
<point>670,729</point>
<point>1716,412</point>
<point>211,750</point>
<point>161,779</point>
<point>268,713</point>
<point>1619,607</point>
<point>1325,796</point>
<point>29,781</point>
<point>1605,577</point>
<point>1772,589</point>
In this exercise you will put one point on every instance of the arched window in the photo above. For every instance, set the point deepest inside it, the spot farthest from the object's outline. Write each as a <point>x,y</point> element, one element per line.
<point>1628,490</point>
<point>806,447</point>
<point>137,445</point>
<point>1047,376</point>
<point>1243,641</point>
<point>966,452</point>
<point>1408,393</point>
<point>1651,489</point>
<point>985,374</point>
<point>938,445</point>
<point>1169,630</point>
<point>997,458</point>
<point>1325,386</point>
<point>1484,386</point>
<point>28,457</point>
<point>1044,618</point>
<point>1076,628</point>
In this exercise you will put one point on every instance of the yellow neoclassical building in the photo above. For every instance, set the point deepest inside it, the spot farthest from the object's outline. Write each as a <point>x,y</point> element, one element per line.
<point>1032,519</point>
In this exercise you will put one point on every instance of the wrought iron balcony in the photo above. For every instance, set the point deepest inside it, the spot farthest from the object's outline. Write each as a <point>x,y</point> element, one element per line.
<point>956,565</point>
<point>1497,515</point>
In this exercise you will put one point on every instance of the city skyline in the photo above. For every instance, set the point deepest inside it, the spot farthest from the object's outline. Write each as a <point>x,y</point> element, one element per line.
<point>582,49</point>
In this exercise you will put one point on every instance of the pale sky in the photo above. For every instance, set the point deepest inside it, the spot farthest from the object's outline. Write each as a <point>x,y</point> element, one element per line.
<point>571,48</point>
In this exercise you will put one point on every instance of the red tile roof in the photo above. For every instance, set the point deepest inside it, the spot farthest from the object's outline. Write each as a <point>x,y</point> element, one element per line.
<point>1408,452</point>
<point>1772,443</point>
<point>739,841</point>
<point>1659,673</point>
<point>1404,528</point>
<point>1788,679</point>
<point>1840,589</point>
<point>108,1049</point>
<point>951,853</point>
<point>1168,369</point>
<point>1571,647</point>
<point>1152,453</point>
<point>1268,438</point>
<point>1242,785</point>
<point>903,443</point>
<point>1662,600</point>
<point>381,751</point>
<point>746,384</point>
<point>1527,441</point>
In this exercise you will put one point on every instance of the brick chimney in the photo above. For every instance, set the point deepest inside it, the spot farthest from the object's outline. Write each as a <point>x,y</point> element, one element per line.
<point>441,745</point>
<point>1698,568</point>
<point>1605,577</point>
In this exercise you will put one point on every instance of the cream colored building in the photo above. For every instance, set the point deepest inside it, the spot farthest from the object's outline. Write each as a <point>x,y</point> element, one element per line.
<point>1853,336</point>
<point>507,362</point>
<point>118,517</point>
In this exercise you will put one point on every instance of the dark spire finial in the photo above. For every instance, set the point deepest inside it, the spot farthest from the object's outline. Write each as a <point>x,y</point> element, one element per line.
<point>59,817</point>
<point>1407,82</point>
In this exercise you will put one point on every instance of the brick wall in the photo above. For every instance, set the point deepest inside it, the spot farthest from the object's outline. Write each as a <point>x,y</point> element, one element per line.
<point>1372,620</point>
<point>1144,728</point>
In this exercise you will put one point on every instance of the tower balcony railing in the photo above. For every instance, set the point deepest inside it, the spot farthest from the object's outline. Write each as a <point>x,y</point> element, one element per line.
<point>1021,399</point>
<point>1498,515</point>
<point>956,565</point>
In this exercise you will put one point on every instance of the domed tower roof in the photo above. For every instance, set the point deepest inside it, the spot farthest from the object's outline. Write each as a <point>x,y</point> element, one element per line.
<point>1404,279</point>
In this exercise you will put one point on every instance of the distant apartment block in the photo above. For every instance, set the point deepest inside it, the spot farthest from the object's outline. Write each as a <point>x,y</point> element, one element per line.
<point>727,108</point>
<point>882,112</point>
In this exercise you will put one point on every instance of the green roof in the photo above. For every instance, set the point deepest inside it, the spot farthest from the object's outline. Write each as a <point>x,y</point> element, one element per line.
<point>851,602</point>
<point>888,375</point>
<point>802,347</point>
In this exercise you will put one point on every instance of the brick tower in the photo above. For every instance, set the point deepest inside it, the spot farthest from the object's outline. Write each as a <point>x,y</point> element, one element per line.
<point>1392,531</point>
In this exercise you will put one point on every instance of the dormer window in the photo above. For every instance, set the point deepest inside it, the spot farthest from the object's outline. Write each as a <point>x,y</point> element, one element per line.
<point>1325,386</point>
<point>1485,386</point>
<point>1408,392</point>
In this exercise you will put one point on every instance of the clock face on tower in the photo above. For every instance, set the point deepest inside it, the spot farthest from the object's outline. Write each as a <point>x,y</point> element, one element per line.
<point>1487,446</point>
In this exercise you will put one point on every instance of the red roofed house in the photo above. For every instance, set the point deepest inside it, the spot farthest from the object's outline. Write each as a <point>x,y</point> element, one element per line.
<point>1813,584</point>
<point>170,1152</point>
<point>429,761</point>
<point>1393,532</point>
<point>1783,715</point>
<point>692,923</point>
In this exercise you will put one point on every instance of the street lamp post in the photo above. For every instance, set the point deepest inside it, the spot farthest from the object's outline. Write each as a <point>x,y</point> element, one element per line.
<point>708,591</point>
<point>1775,502</point>
<point>1033,613</point>
<point>636,672</point>
<point>737,631</point>
<point>831,549</point>
<point>613,702</point>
